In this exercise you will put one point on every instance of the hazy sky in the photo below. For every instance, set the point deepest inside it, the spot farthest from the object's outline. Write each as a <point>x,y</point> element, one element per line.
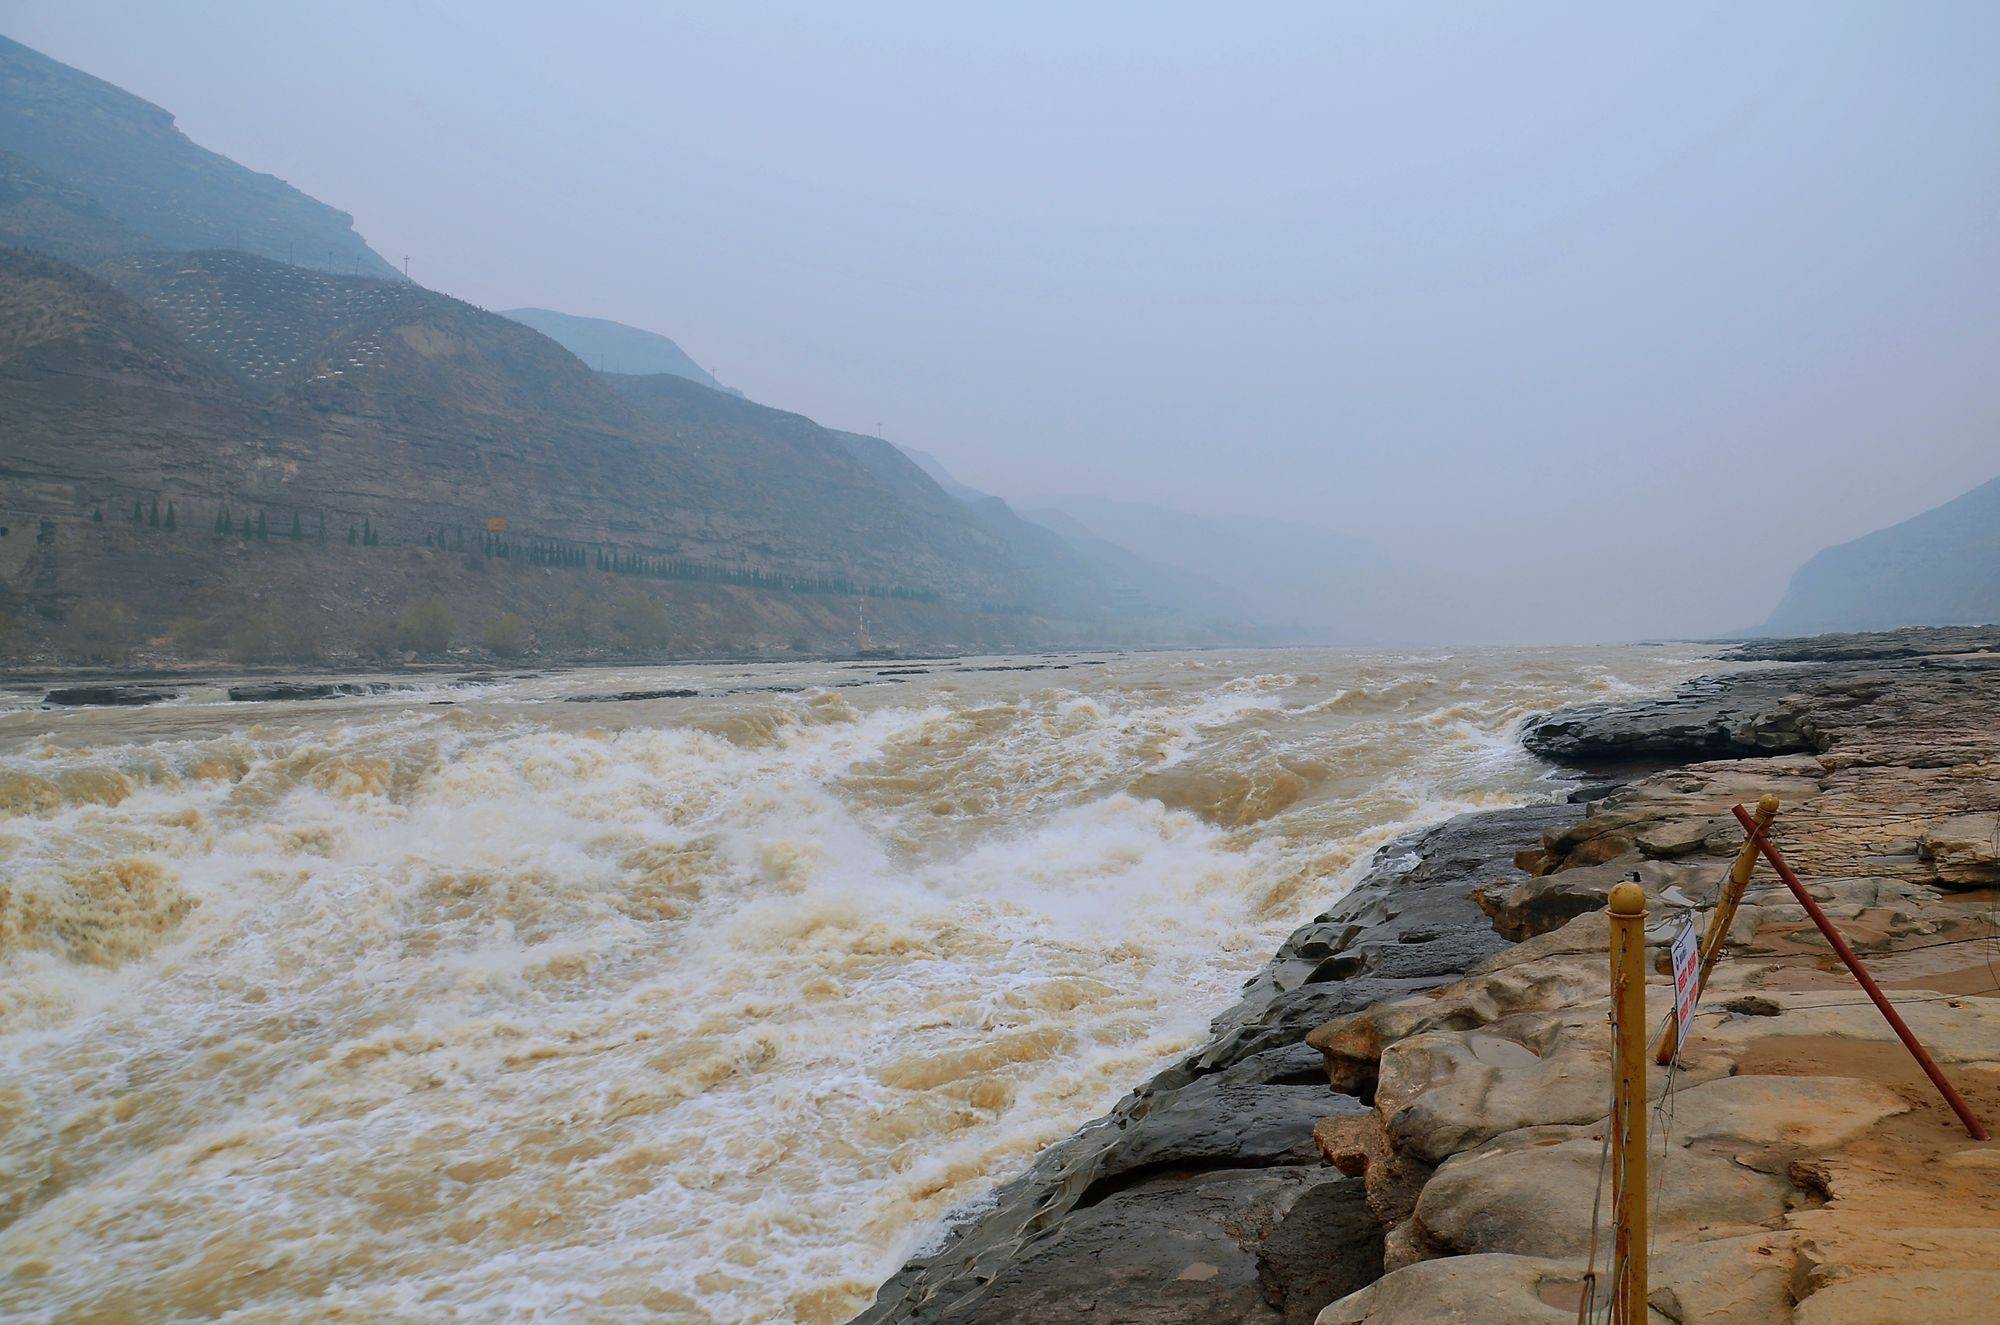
<point>1629,310</point>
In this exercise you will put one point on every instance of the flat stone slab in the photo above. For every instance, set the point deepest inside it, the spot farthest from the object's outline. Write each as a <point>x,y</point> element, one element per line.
<point>93,696</point>
<point>1492,1289</point>
<point>1531,1194</point>
<point>1965,849</point>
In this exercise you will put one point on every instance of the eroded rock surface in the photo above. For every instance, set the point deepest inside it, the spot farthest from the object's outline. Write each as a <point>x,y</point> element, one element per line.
<point>1807,1170</point>
<point>1455,1002</point>
<point>1234,1245</point>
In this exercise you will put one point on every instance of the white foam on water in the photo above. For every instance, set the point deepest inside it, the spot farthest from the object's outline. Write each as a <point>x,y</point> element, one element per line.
<point>708,1011</point>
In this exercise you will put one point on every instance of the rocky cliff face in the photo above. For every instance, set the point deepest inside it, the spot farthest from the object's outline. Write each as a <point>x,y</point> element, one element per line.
<point>1808,1171</point>
<point>1935,569</point>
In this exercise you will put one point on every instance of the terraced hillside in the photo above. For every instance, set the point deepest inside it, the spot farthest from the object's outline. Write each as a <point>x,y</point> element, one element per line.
<point>275,327</point>
<point>218,389</point>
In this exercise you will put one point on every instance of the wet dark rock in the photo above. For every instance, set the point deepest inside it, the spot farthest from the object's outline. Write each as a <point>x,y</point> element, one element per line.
<point>1212,1122</point>
<point>1326,1246</point>
<point>265,691</point>
<point>1910,642</point>
<point>625,696</point>
<point>1711,717</point>
<point>1017,667</point>
<point>1176,1250</point>
<point>1803,709</point>
<point>1250,1097</point>
<point>92,696</point>
<point>1288,1065</point>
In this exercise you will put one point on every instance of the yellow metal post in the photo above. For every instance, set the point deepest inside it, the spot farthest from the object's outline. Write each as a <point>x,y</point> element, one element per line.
<point>1628,1116</point>
<point>1719,922</point>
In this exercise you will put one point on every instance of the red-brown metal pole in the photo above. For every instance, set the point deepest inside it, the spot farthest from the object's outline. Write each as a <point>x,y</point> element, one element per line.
<point>1861,976</point>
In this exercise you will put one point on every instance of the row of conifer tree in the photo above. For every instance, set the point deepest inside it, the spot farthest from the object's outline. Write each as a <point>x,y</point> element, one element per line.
<point>533,552</point>
<point>575,556</point>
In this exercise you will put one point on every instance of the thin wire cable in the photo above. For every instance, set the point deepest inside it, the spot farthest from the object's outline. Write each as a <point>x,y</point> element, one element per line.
<point>1663,1111</point>
<point>1663,1107</point>
<point>1586,1306</point>
<point>1993,912</point>
<point>1871,952</point>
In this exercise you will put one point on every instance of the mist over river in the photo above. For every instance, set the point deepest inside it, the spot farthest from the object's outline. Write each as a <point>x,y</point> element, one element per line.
<point>696,1009</point>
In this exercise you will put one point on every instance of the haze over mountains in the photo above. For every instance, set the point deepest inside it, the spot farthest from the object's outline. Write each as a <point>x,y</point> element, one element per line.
<point>222,408</point>
<point>133,179</point>
<point>1941,567</point>
<point>220,386</point>
<point>404,444</point>
<point>613,347</point>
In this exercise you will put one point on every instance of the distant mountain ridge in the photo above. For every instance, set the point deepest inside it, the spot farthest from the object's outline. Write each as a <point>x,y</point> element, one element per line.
<point>170,382</point>
<point>1939,568</point>
<point>614,347</point>
<point>121,158</point>
<point>203,388</point>
<point>943,477</point>
<point>1299,583</point>
<point>1248,579</point>
<point>386,401</point>
<point>1067,548</point>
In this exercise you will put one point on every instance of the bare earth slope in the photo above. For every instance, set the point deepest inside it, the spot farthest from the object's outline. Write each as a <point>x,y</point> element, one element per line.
<point>213,383</point>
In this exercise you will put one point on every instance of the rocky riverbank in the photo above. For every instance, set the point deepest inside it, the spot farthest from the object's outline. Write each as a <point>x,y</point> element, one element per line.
<point>1454,1001</point>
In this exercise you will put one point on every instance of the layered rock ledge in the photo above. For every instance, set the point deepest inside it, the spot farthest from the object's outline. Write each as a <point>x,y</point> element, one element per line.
<point>1808,1172</point>
<point>1401,1120</point>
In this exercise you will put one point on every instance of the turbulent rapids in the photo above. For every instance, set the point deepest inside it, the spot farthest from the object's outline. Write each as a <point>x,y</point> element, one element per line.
<point>701,1009</point>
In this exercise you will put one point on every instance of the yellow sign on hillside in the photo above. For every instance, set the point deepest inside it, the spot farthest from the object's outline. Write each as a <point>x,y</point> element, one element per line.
<point>496,525</point>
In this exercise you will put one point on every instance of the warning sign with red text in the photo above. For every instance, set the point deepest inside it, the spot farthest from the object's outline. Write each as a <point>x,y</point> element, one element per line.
<point>1687,962</point>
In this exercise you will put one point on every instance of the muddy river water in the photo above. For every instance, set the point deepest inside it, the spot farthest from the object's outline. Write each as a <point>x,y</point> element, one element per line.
<point>696,1009</point>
